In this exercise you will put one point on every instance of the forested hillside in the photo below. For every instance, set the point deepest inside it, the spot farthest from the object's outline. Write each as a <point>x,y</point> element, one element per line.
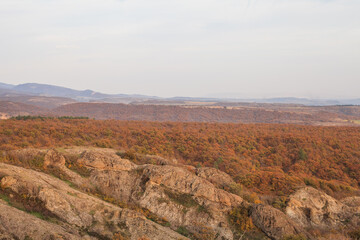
<point>242,114</point>
<point>264,157</point>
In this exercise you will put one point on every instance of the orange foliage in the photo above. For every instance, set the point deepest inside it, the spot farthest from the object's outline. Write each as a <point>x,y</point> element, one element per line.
<point>263,157</point>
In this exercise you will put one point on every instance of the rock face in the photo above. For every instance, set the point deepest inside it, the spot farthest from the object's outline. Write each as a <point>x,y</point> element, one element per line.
<point>17,224</point>
<point>312,208</point>
<point>352,202</point>
<point>186,200</point>
<point>88,216</point>
<point>215,176</point>
<point>54,159</point>
<point>171,192</point>
<point>104,196</point>
<point>105,160</point>
<point>274,223</point>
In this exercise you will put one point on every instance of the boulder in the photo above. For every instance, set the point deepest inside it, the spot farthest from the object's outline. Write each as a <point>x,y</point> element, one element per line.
<point>274,223</point>
<point>313,208</point>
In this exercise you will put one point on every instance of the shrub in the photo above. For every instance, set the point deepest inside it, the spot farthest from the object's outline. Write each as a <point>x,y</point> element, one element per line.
<point>280,202</point>
<point>309,182</point>
<point>295,237</point>
<point>130,155</point>
<point>239,218</point>
<point>355,234</point>
<point>183,231</point>
<point>236,188</point>
<point>302,155</point>
<point>72,163</point>
<point>252,198</point>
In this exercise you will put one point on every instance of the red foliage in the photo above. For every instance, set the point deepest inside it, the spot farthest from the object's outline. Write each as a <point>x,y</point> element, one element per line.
<point>264,157</point>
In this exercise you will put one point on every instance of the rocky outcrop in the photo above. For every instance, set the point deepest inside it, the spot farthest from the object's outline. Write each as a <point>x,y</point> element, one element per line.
<point>352,202</point>
<point>54,162</point>
<point>54,159</point>
<point>274,223</point>
<point>105,160</point>
<point>215,176</point>
<point>313,208</point>
<point>156,160</point>
<point>20,225</point>
<point>86,214</point>
<point>171,192</point>
<point>183,198</point>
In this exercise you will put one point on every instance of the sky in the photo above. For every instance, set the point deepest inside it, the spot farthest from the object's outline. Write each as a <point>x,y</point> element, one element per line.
<point>198,48</point>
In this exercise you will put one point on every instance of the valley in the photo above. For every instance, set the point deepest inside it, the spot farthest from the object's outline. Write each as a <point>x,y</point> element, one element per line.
<point>84,165</point>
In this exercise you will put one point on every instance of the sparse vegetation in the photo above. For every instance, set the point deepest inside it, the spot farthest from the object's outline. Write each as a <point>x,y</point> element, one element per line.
<point>203,209</point>
<point>355,234</point>
<point>239,218</point>
<point>183,199</point>
<point>280,202</point>
<point>130,155</point>
<point>295,237</point>
<point>25,203</point>
<point>310,182</point>
<point>183,231</point>
<point>71,184</point>
<point>5,198</point>
<point>72,163</point>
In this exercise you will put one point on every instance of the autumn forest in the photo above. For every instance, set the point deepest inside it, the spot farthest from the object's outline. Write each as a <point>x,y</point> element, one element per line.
<point>265,158</point>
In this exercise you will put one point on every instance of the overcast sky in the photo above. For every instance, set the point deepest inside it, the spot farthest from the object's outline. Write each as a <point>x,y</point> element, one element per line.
<point>227,48</point>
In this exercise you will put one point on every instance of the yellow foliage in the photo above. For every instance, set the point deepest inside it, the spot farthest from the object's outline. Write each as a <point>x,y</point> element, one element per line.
<point>240,219</point>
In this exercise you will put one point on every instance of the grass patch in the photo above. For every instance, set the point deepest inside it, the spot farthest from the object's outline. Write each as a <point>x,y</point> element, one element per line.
<point>202,209</point>
<point>153,217</point>
<point>162,200</point>
<point>72,194</point>
<point>183,231</point>
<point>12,203</point>
<point>23,203</point>
<point>181,198</point>
<point>5,198</point>
<point>38,215</point>
<point>72,185</point>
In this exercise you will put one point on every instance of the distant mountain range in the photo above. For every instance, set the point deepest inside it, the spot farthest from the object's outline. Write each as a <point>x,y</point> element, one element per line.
<point>48,100</point>
<point>6,86</point>
<point>9,92</point>
<point>46,90</point>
